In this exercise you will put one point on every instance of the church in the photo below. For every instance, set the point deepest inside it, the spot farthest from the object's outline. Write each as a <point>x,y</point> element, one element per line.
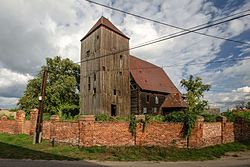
<point>116,83</point>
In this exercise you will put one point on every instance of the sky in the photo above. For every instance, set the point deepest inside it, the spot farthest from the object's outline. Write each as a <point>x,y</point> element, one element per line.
<point>31,30</point>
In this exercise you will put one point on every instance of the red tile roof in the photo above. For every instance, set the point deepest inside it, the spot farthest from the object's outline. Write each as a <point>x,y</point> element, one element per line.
<point>174,100</point>
<point>151,77</point>
<point>106,23</point>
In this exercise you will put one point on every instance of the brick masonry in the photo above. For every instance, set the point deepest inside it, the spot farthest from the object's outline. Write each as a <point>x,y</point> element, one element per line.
<point>87,132</point>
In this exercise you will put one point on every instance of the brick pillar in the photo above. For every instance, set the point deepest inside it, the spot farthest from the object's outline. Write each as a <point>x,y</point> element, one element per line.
<point>86,129</point>
<point>139,135</point>
<point>20,118</point>
<point>54,119</point>
<point>33,120</point>
<point>195,139</point>
<point>4,118</point>
<point>223,121</point>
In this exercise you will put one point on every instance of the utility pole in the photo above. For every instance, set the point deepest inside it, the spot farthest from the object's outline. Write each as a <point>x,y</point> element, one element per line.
<point>38,133</point>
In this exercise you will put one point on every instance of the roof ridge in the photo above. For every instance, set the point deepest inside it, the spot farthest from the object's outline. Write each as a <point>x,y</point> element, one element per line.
<point>146,62</point>
<point>106,23</point>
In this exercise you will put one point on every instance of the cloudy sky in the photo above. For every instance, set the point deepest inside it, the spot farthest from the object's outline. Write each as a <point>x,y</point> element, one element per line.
<point>31,30</point>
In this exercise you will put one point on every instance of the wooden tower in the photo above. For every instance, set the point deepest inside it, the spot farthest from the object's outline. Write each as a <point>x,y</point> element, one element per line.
<point>104,85</point>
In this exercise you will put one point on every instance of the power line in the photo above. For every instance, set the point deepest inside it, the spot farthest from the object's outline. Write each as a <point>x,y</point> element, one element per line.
<point>164,66</point>
<point>166,24</point>
<point>170,37</point>
<point>198,26</point>
<point>212,62</point>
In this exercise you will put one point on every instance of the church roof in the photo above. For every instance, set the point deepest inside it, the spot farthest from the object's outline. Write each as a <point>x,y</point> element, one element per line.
<point>174,100</point>
<point>105,23</point>
<point>151,77</point>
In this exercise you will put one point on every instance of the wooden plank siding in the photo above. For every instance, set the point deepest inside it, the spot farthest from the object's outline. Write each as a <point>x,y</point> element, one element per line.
<point>112,73</point>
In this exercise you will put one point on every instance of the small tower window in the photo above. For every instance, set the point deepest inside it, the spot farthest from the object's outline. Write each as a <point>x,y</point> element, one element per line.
<point>103,68</point>
<point>97,37</point>
<point>114,91</point>
<point>94,76</point>
<point>121,62</point>
<point>89,83</point>
<point>94,91</point>
<point>88,53</point>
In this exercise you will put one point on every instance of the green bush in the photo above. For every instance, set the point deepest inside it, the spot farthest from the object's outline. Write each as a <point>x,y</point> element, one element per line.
<point>210,117</point>
<point>175,117</point>
<point>155,118</point>
<point>233,116</point>
<point>103,117</point>
<point>46,116</point>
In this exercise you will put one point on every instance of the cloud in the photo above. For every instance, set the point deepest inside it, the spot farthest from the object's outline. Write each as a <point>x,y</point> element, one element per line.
<point>12,83</point>
<point>30,31</point>
<point>6,103</point>
<point>245,89</point>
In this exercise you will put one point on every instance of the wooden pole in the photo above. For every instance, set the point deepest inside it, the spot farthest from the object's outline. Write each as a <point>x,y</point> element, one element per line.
<point>38,134</point>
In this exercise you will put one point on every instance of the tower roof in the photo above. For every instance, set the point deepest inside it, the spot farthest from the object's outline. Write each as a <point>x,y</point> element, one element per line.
<point>105,23</point>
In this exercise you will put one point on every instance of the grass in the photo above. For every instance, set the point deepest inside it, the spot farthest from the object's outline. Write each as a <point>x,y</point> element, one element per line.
<point>21,147</point>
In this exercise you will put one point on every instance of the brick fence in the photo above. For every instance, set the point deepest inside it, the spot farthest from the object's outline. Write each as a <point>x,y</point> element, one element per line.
<point>87,132</point>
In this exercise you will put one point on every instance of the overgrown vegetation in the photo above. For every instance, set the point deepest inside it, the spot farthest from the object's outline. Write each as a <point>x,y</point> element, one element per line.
<point>232,116</point>
<point>132,125</point>
<point>196,104</point>
<point>210,117</point>
<point>21,147</point>
<point>9,117</point>
<point>106,117</point>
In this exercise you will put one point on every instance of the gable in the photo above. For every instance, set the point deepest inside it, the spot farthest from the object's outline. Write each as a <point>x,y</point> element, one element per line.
<point>107,24</point>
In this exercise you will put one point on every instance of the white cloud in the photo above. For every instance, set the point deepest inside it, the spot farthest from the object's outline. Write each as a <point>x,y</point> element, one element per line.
<point>33,30</point>
<point>245,89</point>
<point>12,83</point>
<point>7,103</point>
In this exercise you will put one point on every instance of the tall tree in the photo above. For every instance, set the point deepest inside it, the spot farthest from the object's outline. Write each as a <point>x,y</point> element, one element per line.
<point>194,96</point>
<point>62,91</point>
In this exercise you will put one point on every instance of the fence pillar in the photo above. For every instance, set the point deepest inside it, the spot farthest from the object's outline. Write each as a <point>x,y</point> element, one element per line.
<point>86,129</point>
<point>195,139</point>
<point>54,119</point>
<point>33,120</point>
<point>139,134</point>
<point>20,118</point>
<point>223,121</point>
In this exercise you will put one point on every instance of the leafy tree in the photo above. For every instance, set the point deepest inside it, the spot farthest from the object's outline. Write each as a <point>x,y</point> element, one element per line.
<point>195,89</point>
<point>248,105</point>
<point>196,105</point>
<point>62,90</point>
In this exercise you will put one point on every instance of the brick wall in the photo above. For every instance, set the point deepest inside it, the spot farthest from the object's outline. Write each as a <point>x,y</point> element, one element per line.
<point>161,134</point>
<point>112,134</point>
<point>88,132</point>
<point>212,133</point>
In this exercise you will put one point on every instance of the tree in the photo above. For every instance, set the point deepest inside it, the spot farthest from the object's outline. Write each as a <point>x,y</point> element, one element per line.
<point>62,91</point>
<point>248,105</point>
<point>195,89</point>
